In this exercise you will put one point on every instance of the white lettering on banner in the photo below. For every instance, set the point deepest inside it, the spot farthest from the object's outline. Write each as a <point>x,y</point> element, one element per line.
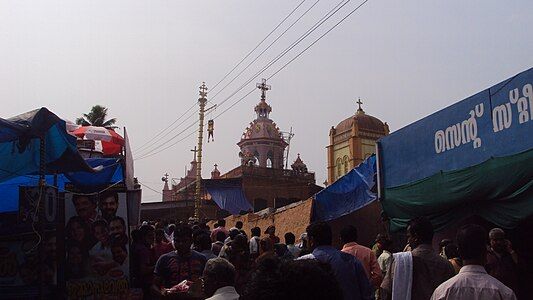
<point>502,119</point>
<point>524,103</point>
<point>460,133</point>
<point>502,115</point>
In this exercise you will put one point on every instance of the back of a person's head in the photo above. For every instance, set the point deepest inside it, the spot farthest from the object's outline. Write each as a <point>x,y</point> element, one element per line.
<point>240,242</point>
<point>444,242</point>
<point>144,229</point>
<point>320,233</point>
<point>204,241</point>
<point>136,236</point>
<point>386,243</point>
<point>256,231</point>
<point>472,242</point>
<point>290,239</point>
<point>221,271</point>
<point>422,228</point>
<point>183,230</point>
<point>159,235</point>
<point>451,251</point>
<point>348,234</point>
<point>221,223</point>
<point>265,280</point>
<point>220,236</point>
<point>266,244</point>
<point>233,233</point>
<point>239,225</point>
<point>291,279</point>
<point>309,279</point>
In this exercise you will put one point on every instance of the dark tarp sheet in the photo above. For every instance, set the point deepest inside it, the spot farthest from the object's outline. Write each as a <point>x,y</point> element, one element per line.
<point>88,182</point>
<point>228,195</point>
<point>348,194</point>
<point>499,190</point>
<point>19,145</point>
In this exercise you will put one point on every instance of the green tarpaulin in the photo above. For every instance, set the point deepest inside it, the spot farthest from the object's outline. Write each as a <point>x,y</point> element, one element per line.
<point>498,190</point>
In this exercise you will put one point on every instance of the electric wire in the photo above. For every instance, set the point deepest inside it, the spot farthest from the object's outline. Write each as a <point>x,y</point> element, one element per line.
<point>150,149</point>
<point>332,12</point>
<point>257,46</point>
<point>319,23</point>
<point>264,50</point>
<point>314,27</point>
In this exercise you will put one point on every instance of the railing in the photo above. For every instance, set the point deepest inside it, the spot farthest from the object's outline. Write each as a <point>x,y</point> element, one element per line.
<point>268,172</point>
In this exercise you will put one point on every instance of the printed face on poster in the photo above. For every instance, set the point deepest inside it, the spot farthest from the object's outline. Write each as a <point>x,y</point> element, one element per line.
<point>96,261</point>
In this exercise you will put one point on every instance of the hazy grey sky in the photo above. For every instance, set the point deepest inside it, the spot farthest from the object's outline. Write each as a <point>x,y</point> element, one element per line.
<point>144,60</point>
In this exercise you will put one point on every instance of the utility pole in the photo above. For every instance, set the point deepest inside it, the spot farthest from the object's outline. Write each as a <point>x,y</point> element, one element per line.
<point>202,101</point>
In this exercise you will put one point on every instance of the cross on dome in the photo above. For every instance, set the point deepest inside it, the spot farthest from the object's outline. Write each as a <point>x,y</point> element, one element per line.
<point>263,87</point>
<point>359,102</point>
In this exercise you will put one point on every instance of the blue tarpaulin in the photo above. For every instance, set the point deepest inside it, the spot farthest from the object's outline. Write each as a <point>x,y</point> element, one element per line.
<point>228,195</point>
<point>496,122</point>
<point>85,181</point>
<point>348,194</point>
<point>20,145</point>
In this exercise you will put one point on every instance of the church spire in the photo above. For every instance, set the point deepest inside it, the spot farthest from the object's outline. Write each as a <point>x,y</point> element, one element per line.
<point>263,109</point>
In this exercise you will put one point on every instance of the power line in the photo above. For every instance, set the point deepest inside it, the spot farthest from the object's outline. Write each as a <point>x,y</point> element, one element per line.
<point>169,146</point>
<point>169,140</point>
<point>319,23</point>
<point>313,28</point>
<point>257,46</point>
<point>152,189</point>
<point>319,38</point>
<point>148,150</point>
<point>264,50</point>
<point>298,55</point>
<point>160,132</point>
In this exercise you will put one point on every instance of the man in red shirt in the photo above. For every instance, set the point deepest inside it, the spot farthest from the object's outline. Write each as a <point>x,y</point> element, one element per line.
<point>363,254</point>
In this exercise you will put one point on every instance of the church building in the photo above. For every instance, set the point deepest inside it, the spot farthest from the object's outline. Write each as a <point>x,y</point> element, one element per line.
<point>263,174</point>
<point>352,141</point>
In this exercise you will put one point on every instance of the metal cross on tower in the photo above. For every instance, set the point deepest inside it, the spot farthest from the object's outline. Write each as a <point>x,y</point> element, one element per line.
<point>359,102</point>
<point>263,87</point>
<point>194,151</point>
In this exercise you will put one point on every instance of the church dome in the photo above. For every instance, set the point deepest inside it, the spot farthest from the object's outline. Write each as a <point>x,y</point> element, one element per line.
<point>364,122</point>
<point>262,129</point>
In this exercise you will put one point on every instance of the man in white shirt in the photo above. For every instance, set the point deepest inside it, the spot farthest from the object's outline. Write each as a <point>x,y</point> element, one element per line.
<point>254,242</point>
<point>472,282</point>
<point>218,280</point>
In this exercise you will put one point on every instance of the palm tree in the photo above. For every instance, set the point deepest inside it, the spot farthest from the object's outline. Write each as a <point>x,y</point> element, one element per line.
<point>97,117</point>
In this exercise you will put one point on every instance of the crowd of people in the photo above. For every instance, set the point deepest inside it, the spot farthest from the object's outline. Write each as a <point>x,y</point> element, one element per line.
<point>193,261</point>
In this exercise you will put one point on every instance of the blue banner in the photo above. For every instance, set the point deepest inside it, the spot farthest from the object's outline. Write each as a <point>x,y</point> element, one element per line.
<point>495,122</point>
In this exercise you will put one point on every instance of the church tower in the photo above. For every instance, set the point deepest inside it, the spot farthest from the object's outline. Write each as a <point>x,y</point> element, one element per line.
<point>262,143</point>
<point>352,141</point>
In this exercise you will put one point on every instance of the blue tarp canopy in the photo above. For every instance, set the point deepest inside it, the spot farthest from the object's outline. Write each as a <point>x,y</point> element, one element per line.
<point>348,194</point>
<point>20,145</point>
<point>228,194</point>
<point>85,181</point>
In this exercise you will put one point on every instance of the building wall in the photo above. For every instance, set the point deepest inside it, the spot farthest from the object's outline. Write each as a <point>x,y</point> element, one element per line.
<point>296,217</point>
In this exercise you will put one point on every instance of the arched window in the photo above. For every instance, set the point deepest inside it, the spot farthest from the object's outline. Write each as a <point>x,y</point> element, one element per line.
<point>346,163</point>
<point>269,163</point>
<point>338,165</point>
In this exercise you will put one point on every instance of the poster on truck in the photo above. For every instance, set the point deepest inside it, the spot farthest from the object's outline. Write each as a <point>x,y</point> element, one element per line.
<point>97,245</point>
